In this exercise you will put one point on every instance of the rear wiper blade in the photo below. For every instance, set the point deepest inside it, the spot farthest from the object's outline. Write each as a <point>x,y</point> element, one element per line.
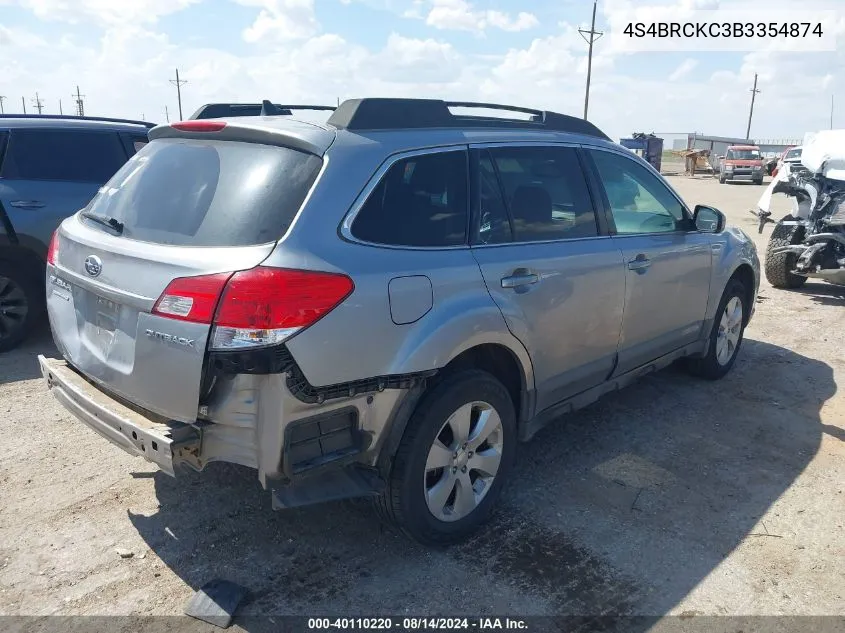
<point>112,223</point>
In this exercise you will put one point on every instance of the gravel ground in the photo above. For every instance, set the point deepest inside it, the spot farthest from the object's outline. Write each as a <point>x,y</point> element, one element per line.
<point>675,496</point>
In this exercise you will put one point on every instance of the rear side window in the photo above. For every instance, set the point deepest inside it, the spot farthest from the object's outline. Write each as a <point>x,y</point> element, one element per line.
<point>545,192</point>
<point>420,201</point>
<point>66,155</point>
<point>207,193</point>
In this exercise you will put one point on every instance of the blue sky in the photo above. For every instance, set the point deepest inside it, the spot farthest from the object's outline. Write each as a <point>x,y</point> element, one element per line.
<point>122,53</point>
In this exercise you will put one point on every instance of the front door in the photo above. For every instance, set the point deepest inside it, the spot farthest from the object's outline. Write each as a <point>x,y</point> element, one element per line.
<point>559,282</point>
<point>667,262</point>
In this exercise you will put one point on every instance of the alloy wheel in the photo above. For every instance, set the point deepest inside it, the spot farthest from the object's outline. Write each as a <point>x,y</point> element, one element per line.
<point>463,461</point>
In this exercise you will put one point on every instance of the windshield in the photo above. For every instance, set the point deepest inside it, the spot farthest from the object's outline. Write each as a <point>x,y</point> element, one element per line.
<point>793,153</point>
<point>207,193</point>
<point>743,154</point>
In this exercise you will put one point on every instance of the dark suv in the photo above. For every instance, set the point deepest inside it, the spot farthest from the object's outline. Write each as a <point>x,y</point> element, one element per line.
<point>50,167</point>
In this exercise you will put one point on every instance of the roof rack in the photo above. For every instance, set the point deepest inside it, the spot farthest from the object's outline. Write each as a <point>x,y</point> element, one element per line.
<point>73,117</point>
<point>392,114</point>
<point>265,108</point>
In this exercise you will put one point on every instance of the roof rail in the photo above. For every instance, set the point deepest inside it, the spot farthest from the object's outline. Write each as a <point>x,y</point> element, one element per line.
<point>392,114</point>
<point>73,117</point>
<point>265,108</point>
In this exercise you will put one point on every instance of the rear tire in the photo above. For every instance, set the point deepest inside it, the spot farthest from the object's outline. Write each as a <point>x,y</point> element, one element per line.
<point>721,180</point>
<point>425,472</point>
<point>21,298</point>
<point>726,336</point>
<point>779,266</point>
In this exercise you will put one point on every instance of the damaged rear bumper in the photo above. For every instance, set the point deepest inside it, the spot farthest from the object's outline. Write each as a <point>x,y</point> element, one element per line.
<point>163,444</point>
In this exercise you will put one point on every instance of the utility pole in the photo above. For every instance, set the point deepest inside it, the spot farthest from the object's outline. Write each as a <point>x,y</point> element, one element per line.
<point>2,99</point>
<point>38,103</point>
<point>61,112</point>
<point>166,114</point>
<point>754,93</point>
<point>179,83</point>
<point>831,110</point>
<point>23,103</point>
<point>80,106</point>
<point>592,33</point>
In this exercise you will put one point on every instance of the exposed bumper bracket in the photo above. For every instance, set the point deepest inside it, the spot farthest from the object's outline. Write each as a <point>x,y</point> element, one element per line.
<point>163,444</point>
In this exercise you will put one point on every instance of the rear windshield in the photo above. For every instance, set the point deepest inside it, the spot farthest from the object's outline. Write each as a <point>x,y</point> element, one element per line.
<point>793,153</point>
<point>743,154</point>
<point>207,193</point>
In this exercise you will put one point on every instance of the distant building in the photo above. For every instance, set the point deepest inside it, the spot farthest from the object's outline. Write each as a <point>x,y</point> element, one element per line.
<point>718,145</point>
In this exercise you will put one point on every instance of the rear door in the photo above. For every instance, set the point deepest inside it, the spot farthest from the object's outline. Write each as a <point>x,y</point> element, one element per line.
<point>557,277</point>
<point>667,261</point>
<point>49,174</point>
<point>183,208</point>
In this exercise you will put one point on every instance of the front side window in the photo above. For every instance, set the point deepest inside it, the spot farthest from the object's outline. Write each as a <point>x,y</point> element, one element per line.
<point>639,201</point>
<point>66,155</point>
<point>545,194</point>
<point>421,201</point>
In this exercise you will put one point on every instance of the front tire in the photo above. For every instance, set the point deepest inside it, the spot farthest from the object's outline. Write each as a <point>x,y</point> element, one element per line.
<point>726,336</point>
<point>779,266</point>
<point>20,298</point>
<point>453,460</point>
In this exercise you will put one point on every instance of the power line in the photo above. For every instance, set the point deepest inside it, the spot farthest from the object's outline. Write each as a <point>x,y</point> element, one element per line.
<point>80,105</point>
<point>179,83</point>
<point>38,103</point>
<point>592,33</point>
<point>754,93</point>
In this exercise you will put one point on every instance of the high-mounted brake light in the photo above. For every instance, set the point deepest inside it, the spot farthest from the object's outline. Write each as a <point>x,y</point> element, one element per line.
<point>199,126</point>
<point>256,307</point>
<point>53,249</point>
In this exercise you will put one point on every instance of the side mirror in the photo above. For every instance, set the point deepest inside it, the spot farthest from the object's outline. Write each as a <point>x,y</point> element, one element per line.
<point>708,220</point>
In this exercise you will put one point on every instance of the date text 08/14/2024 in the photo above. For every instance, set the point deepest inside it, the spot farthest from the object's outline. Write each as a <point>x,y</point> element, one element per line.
<point>417,624</point>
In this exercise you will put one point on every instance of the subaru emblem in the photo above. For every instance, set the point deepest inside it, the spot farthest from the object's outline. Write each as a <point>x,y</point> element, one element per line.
<point>93,265</point>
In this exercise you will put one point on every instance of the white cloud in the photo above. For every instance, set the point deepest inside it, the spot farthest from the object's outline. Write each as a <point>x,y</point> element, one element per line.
<point>686,67</point>
<point>462,16</point>
<point>281,20</point>
<point>105,11</point>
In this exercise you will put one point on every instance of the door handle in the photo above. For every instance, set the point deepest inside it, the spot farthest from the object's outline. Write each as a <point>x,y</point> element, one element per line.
<point>522,279</point>
<point>640,264</point>
<point>27,204</point>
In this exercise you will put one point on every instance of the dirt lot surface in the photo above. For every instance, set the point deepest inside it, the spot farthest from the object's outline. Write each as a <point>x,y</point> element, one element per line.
<point>676,496</point>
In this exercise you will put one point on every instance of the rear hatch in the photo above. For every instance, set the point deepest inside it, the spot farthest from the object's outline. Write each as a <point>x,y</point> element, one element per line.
<point>121,309</point>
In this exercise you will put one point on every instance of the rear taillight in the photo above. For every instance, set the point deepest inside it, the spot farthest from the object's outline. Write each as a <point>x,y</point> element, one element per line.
<point>53,249</point>
<point>256,307</point>
<point>191,298</point>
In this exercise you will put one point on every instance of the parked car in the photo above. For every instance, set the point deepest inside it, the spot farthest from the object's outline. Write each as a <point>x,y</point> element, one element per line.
<point>742,162</point>
<point>383,304</point>
<point>50,167</point>
<point>791,158</point>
